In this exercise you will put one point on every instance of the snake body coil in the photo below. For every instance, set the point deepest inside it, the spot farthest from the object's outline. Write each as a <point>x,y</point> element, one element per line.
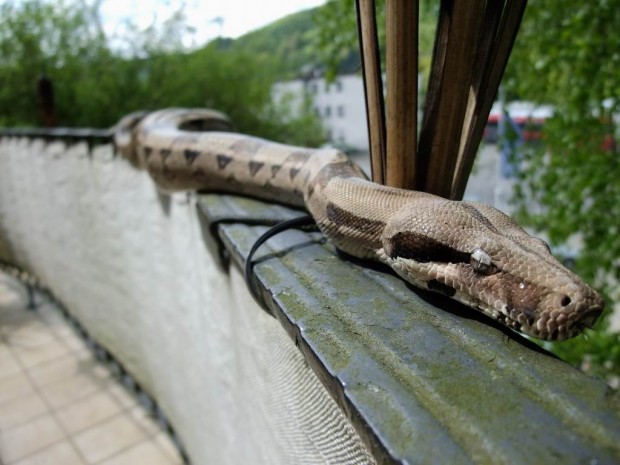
<point>468,251</point>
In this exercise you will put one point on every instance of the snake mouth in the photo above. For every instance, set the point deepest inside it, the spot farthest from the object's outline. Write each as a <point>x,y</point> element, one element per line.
<point>555,331</point>
<point>589,318</point>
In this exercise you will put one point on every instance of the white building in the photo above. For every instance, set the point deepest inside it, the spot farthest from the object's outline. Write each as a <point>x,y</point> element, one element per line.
<point>339,104</point>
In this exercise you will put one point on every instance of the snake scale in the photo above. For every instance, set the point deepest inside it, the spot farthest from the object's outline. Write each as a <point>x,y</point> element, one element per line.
<point>471,252</point>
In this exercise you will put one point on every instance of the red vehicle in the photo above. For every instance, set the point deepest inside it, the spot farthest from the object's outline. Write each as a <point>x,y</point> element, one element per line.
<point>525,118</point>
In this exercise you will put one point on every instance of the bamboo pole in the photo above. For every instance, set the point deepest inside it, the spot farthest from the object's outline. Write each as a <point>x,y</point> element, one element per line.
<point>449,90</point>
<point>500,28</point>
<point>402,92</point>
<point>373,86</point>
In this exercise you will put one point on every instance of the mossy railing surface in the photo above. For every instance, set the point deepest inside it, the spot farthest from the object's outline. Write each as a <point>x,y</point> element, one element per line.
<point>422,378</point>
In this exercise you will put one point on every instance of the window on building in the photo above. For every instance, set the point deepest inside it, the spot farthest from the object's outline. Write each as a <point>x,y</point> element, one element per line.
<point>314,88</point>
<point>340,111</point>
<point>339,86</point>
<point>328,111</point>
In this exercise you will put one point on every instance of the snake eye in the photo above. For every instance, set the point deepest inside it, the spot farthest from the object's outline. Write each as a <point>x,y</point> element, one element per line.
<point>480,261</point>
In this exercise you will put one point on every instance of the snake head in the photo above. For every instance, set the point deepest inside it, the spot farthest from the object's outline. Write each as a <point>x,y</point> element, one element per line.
<point>124,134</point>
<point>479,256</point>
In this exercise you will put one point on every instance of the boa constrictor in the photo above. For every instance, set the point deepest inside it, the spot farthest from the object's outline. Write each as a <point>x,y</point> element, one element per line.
<point>468,251</point>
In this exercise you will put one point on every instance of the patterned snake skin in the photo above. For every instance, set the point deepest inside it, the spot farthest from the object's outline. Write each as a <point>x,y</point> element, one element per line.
<point>468,251</point>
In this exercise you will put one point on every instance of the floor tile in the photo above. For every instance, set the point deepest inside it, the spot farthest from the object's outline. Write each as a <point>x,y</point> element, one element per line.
<point>51,386</point>
<point>11,320</point>
<point>12,294</point>
<point>108,438</point>
<point>87,412</point>
<point>144,420</point>
<point>14,386</point>
<point>30,437</point>
<point>165,444</point>
<point>61,453</point>
<point>51,317</point>
<point>32,355</point>
<point>8,362</point>
<point>144,453</point>
<point>62,392</point>
<point>66,330</point>
<point>61,368</point>
<point>31,335</point>
<point>19,410</point>
<point>66,367</point>
<point>123,397</point>
<point>70,340</point>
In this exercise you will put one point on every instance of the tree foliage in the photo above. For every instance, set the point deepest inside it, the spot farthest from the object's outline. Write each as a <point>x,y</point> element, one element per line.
<point>40,38</point>
<point>567,54</point>
<point>288,42</point>
<point>95,85</point>
<point>336,36</point>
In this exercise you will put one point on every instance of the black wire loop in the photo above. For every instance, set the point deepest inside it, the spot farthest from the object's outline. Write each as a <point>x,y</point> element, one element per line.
<point>301,222</point>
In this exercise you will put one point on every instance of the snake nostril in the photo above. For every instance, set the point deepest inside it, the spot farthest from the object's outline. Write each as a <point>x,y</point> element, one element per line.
<point>565,301</point>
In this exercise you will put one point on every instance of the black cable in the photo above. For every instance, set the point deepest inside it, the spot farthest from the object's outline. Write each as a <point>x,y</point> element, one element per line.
<point>298,222</point>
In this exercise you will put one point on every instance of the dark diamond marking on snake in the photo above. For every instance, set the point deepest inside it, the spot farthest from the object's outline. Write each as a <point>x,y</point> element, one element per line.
<point>341,169</point>
<point>275,169</point>
<point>270,187</point>
<point>231,180</point>
<point>435,285</point>
<point>191,155</point>
<point>165,153</point>
<point>168,173</point>
<point>299,157</point>
<point>473,211</point>
<point>294,172</point>
<point>223,161</point>
<point>200,175</point>
<point>422,249</point>
<point>341,217</point>
<point>255,166</point>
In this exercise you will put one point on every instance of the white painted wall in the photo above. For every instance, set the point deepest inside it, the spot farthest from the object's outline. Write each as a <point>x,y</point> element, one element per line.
<point>138,276</point>
<point>340,105</point>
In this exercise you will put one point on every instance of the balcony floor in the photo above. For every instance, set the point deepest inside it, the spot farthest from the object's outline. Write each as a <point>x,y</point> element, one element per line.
<point>58,404</point>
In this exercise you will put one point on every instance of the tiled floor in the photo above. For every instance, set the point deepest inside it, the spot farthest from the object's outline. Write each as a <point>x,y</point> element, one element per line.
<point>58,405</point>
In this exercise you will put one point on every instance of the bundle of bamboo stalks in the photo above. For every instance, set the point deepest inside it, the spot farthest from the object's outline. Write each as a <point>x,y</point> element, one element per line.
<point>472,45</point>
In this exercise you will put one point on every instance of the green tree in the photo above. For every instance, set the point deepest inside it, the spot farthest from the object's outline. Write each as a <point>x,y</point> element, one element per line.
<point>336,36</point>
<point>96,85</point>
<point>567,54</point>
<point>36,38</point>
<point>287,43</point>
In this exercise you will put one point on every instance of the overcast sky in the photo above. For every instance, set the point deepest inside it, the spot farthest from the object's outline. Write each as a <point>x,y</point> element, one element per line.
<point>237,16</point>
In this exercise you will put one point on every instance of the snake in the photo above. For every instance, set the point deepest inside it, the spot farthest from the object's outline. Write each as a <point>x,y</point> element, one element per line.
<point>469,251</point>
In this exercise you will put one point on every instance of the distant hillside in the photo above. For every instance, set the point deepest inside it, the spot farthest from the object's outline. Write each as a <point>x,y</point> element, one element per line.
<point>290,44</point>
<point>287,40</point>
